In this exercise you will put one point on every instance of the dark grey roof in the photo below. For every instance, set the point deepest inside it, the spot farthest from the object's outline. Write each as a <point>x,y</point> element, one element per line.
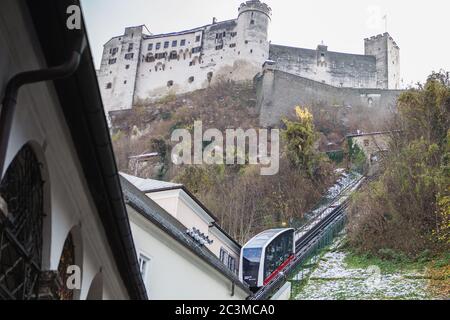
<point>229,24</point>
<point>153,186</point>
<point>171,226</point>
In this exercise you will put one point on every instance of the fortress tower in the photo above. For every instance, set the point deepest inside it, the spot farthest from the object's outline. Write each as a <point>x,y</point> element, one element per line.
<point>252,29</point>
<point>387,54</point>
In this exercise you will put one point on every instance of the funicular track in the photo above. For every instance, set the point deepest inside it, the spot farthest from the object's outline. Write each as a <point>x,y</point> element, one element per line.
<point>311,237</point>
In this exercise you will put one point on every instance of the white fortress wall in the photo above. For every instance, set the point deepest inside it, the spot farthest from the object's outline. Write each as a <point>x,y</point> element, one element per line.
<point>139,68</point>
<point>117,75</point>
<point>169,64</point>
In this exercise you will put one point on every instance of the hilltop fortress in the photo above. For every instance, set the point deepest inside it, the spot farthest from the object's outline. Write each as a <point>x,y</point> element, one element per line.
<point>139,67</point>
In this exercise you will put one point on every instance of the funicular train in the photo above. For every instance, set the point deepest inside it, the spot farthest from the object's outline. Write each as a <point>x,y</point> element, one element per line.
<point>265,255</point>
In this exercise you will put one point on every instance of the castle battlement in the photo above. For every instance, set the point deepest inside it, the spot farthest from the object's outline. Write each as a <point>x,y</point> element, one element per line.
<point>255,5</point>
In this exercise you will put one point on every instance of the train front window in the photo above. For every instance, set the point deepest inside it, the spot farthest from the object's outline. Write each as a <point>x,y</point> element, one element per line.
<point>251,261</point>
<point>277,252</point>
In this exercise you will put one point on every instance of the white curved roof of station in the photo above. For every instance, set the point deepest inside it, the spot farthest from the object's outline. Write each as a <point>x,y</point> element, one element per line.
<point>148,185</point>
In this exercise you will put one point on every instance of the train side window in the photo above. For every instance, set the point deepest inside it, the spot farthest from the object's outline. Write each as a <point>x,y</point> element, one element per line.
<point>232,263</point>
<point>223,255</point>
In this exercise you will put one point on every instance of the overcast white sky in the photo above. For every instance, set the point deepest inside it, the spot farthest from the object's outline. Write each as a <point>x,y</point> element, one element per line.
<point>420,28</point>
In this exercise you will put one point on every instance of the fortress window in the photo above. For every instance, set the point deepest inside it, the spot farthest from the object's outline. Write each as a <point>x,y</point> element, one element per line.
<point>130,47</point>
<point>196,49</point>
<point>174,43</point>
<point>233,45</point>
<point>252,21</point>
<point>322,54</point>
<point>246,41</point>
<point>112,61</point>
<point>197,39</point>
<point>166,44</point>
<point>125,82</point>
<point>113,51</point>
<point>109,85</point>
<point>209,76</point>
<point>129,56</point>
<point>150,46</point>
<point>158,45</point>
<point>251,50</point>
<point>220,47</point>
<point>127,66</point>
<point>191,79</point>
<point>170,83</point>
<point>160,55</point>
<point>233,34</point>
<point>173,55</point>
<point>182,42</point>
<point>224,34</point>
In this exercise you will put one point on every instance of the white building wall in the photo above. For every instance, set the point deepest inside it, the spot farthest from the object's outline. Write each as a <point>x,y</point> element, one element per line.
<point>174,272</point>
<point>178,204</point>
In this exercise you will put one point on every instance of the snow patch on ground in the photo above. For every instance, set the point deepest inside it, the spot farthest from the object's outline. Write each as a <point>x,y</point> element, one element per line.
<point>334,280</point>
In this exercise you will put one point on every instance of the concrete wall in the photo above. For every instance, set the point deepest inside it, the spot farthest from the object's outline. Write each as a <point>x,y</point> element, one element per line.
<point>39,122</point>
<point>334,68</point>
<point>279,92</point>
<point>174,271</point>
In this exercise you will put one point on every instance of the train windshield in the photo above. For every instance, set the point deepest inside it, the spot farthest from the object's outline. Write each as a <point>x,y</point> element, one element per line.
<point>251,261</point>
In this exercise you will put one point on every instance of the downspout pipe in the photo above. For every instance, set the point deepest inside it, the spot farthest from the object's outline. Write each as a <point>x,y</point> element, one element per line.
<point>16,82</point>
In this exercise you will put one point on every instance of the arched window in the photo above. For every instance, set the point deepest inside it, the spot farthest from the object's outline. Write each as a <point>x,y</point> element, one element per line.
<point>149,57</point>
<point>67,259</point>
<point>96,290</point>
<point>21,227</point>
